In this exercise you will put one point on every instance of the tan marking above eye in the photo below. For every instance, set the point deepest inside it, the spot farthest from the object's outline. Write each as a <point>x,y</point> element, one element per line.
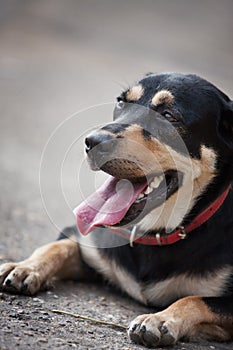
<point>135,93</point>
<point>162,97</point>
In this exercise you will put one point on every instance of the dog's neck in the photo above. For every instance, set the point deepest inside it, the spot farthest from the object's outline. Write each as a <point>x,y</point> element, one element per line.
<point>161,238</point>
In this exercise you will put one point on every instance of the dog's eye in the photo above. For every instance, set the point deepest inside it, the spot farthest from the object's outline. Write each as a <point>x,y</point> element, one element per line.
<point>120,104</point>
<point>169,116</point>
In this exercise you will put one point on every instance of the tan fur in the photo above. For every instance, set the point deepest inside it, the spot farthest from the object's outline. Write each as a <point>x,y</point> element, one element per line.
<point>135,93</point>
<point>185,317</point>
<point>60,259</point>
<point>145,154</point>
<point>197,175</point>
<point>170,289</point>
<point>211,332</point>
<point>162,97</point>
<point>151,157</point>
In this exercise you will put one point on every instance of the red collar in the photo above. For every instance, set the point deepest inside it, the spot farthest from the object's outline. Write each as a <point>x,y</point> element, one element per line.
<point>182,231</point>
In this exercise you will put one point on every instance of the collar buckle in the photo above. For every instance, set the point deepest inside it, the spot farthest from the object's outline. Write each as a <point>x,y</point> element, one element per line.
<point>183,234</point>
<point>158,237</point>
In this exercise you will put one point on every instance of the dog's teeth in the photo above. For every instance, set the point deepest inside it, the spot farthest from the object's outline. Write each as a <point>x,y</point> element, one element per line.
<point>161,177</point>
<point>148,190</point>
<point>157,181</point>
<point>154,184</point>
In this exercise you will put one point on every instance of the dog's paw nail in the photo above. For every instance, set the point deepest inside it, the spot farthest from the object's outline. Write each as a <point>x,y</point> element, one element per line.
<point>133,328</point>
<point>8,282</point>
<point>24,287</point>
<point>143,329</point>
<point>164,329</point>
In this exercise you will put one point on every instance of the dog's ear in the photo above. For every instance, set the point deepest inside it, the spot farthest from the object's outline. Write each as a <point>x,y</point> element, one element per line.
<point>225,126</point>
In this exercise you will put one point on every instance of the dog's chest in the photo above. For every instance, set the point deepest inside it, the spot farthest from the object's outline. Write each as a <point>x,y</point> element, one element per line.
<point>160,292</point>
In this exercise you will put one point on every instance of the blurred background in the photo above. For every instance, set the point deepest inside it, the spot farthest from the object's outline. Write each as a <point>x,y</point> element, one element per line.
<point>60,56</point>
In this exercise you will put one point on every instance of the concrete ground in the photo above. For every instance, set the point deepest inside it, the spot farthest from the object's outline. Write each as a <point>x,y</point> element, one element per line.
<point>57,58</point>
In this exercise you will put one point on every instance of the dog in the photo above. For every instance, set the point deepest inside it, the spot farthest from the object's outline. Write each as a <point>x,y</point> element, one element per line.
<point>161,226</point>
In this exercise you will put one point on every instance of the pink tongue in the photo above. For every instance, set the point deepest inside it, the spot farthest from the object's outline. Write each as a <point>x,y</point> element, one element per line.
<point>108,205</point>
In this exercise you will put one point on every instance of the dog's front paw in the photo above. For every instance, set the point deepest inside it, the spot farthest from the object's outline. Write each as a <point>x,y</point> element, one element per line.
<point>20,278</point>
<point>152,330</point>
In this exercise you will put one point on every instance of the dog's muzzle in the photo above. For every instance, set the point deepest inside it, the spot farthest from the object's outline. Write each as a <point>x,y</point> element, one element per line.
<point>99,148</point>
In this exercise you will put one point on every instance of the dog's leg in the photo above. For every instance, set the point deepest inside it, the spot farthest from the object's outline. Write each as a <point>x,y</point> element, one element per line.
<point>57,260</point>
<point>191,318</point>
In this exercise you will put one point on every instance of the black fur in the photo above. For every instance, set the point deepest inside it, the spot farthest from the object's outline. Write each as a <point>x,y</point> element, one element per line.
<point>204,116</point>
<point>201,117</point>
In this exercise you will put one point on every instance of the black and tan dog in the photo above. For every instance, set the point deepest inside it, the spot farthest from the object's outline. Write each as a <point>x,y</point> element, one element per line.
<point>162,224</point>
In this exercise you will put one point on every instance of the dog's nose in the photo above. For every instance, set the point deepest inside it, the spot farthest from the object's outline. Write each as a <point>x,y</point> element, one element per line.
<point>97,139</point>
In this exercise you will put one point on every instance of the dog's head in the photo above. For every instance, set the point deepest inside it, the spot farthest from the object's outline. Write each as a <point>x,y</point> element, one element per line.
<point>171,138</point>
